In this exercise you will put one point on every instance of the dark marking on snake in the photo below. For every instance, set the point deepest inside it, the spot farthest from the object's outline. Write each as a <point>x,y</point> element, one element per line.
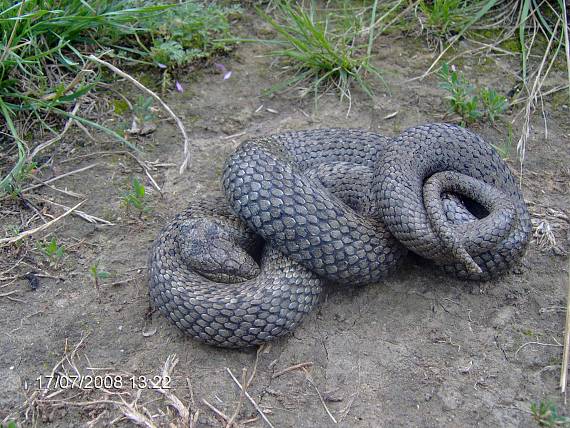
<point>341,205</point>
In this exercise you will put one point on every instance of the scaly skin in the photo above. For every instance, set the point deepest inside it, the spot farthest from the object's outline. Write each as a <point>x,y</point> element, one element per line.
<point>337,205</point>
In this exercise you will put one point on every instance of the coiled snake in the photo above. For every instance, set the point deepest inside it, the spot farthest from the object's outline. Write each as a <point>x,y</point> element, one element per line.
<point>339,205</point>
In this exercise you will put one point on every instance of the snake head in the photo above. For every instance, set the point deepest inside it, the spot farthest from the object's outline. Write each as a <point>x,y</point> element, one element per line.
<point>208,249</point>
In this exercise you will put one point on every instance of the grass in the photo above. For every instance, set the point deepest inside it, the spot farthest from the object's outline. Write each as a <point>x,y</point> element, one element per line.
<point>321,53</point>
<point>545,414</point>
<point>45,73</point>
<point>443,16</point>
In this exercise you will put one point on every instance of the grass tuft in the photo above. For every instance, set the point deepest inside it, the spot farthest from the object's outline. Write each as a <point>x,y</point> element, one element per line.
<point>321,53</point>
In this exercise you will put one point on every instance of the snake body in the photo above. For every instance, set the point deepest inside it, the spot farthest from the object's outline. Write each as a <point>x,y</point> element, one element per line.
<point>340,205</point>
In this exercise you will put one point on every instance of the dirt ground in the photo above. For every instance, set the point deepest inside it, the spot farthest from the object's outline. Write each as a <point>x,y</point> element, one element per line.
<point>420,349</point>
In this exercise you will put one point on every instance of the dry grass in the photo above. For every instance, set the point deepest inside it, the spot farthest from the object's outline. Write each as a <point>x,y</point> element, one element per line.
<point>150,400</point>
<point>150,403</point>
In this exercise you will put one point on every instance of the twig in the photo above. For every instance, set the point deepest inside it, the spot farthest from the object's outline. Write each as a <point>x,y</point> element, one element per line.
<point>143,164</point>
<point>65,192</point>
<point>353,397</point>
<point>241,397</point>
<point>252,401</point>
<point>131,412</point>
<point>87,217</point>
<point>196,414</point>
<point>261,349</point>
<point>532,98</point>
<point>9,293</point>
<point>60,362</point>
<point>229,137</point>
<point>8,46</point>
<point>291,368</point>
<point>51,180</point>
<point>61,134</point>
<point>122,281</point>
<point>156,97</point>
<point>566,41</point>
<point>70,86</point>
<point>564,370</point>
<point>216,411</point>
<point>535,343</point>
<point>310,380</point>
<point>7,241</point>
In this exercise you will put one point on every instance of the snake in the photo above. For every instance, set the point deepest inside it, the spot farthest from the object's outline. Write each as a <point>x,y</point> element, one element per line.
<point>301,209</point>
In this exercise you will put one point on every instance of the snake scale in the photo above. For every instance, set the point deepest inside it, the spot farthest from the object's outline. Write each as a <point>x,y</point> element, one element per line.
<point>344,205</point>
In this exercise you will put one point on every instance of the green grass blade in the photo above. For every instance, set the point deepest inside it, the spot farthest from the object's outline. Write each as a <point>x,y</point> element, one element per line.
<point>371,33</point>
<point>99,127</point>
<point>7,180</point>
<point>522,33</point>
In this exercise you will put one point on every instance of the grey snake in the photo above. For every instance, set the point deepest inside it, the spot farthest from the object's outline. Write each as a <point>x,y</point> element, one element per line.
<point>344,205</point>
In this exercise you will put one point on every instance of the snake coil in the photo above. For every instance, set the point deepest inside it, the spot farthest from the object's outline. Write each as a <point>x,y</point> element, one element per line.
<point>340,205</point>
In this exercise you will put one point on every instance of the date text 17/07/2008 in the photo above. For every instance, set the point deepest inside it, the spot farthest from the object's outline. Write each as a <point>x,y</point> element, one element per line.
<point>102,382</point>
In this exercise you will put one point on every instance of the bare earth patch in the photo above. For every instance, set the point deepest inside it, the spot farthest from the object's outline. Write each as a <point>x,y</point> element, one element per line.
<point>421,349</point>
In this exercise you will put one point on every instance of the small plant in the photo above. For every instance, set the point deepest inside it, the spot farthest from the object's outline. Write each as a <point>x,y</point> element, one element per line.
<point>143,117</point>
<point>463,98</point>
<point>136,197</point>
<point>188,32</point>
<point>493,103</point>
<point>97,274</point>
<point>10,424</point>
<point>142,109</point>
<point>13,186</point>
<point>546,415</point>
<point>51,250</point>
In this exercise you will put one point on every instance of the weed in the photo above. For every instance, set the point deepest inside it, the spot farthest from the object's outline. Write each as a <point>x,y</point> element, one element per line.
<point>546,415</point>
<point>142,110</point>
<point>322,54</point>
<point>493,103</point>
<point>143,118</point>
<point>38,61</point>
<point>135,197</point>
<point>466,101</point>
<point>10,424</point>
<point>51,250</point>
<point>189,32</point>
<point>97,274</point>
<point>461,98</point>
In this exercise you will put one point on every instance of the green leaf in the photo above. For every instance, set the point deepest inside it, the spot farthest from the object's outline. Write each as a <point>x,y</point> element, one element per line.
<point>103,274</point>
<point>138,188</point>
